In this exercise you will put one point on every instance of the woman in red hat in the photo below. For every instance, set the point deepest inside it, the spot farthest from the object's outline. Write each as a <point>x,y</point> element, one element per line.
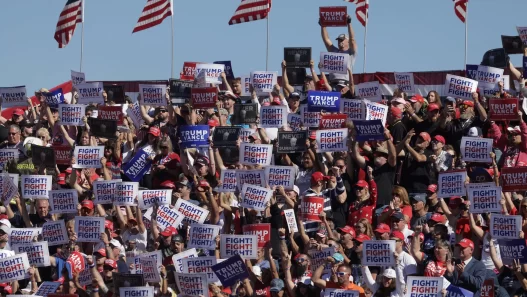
<point>366,200</point>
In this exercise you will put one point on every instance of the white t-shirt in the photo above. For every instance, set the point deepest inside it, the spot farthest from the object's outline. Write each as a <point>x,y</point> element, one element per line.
<point>140,239</point>
<point>407,264</point>
<point>485,253</point>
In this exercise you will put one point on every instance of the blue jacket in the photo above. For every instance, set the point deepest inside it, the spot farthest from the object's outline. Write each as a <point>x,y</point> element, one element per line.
<point>472,277</point>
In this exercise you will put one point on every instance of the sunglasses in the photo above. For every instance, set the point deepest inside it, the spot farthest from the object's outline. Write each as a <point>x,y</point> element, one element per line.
<point>162,110</point>
<point>359,188</point>
<point>41,137</point>
<point>301,260</point>
<point>13,133</point>
<point>108,268</point>
<point>340,274</point>
<point>164,147</point>
<point>341,166</point>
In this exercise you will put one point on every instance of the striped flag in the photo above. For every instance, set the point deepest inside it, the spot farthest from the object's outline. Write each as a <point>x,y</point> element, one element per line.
<point>251,10</point>
<point>460,8</point>
<point>69,17</point>
<point>361,11</point>
<point>153,14</point>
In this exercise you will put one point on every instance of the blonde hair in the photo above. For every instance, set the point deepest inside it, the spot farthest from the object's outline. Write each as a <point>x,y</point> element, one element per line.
<point>43,132</point>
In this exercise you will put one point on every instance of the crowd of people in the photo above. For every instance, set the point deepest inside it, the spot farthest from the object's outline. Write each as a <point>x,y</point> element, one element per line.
<point>377,190</point>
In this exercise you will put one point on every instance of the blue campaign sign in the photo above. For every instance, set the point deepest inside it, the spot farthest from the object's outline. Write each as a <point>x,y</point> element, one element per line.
<point>53,99</point>
<point>453,291</point>
<point>471,71</point>
<point>138,166</point>
<point>369,130</point>
<point>326,101</point>
<point>228,68</point>
<point>231,270</point>
<point>524,66</point>
<point>511,249</point>
<point>194,136</point>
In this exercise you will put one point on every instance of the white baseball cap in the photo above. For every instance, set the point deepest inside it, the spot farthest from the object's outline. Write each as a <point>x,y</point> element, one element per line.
<point>5,222</point>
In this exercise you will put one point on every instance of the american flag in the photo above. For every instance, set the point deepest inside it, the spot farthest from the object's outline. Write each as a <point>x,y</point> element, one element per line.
<point>251,10</point>
<point>153,14</point>
<point>460,8</point>
<point>361,11</point>
<point>69,17</point>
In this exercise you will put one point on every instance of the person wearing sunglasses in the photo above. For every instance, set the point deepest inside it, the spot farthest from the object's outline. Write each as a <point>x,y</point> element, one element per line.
<point>407,263</point>
<point>14,140</point>
<point>340,279</point>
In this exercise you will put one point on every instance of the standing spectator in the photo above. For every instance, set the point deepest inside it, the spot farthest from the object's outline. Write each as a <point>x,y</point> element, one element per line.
<point>469,273</point>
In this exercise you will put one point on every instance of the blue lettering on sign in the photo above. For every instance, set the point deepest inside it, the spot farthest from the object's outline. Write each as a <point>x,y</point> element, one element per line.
<point>323,101</point>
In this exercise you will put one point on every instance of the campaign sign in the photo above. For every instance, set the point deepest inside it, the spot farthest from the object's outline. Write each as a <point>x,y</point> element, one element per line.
<point>255,197</point>
<point>471,71</point>
<point>274,116</point>
<point>180,89</point>
<point>323,101</point>
<point>369,90</point>
<point>451,183</point>
<point>246,82</point>
<point>488,289</point>
<point>475,149</point>
<point>35,186</point>
<point>71,114</point>
<point>245,114</point>
<point>334,62</point>
<point>168,217</point>
<point>490,75</point>
<point>333,16</point>
<point>13,97</point>
<point>333,121</point>
<point>152,95</point>
<point>14,268</point>
<point>256,154</point>
<point>405,82</point>
<point>228,181</point>
<point>194,136</point>
<point>89,229</point>
<point>212,72</point>
<point>76,261</point>
<point>54,232</point>
<point>294,121</point>
<point>297,57</point>
<point>263,231</point>
<point>42,155</point>
<point>376,111</point>
<point>419,286</point>
<point>23,235</point>
<point>203,98</point>
<point>104,191</point>
<point>369,130</point>
<point>513,179</point>
<point>263,81</point>
<point>177,259</point>
<point>126,280</point>
<point>311,207</point>
<point>136,291</point>
<point>125,193</point>
<point>9,184</point>
<point>318,258</point>
<point>149,198</point>
<point>333,140</point>
<point>54,98</point>
<point>250,177</point>
<point>189,71</point>
<point>77,77</point>
<point>513,249</point>
<point>63,201</point>
<point>231,270</point>
<point>309,119</point>
<point>340,293</point>
<point>192,284</point>
<point>460,87</point>
<point>103,128</point>
<point>136,168</point>
<point>280,176</point>
<point>6,155</point>
<point>245,133</point>
<point>114,93</point>
<point>191,212</point>
<point>378,252</point>
<point>203,236</point>
<point>505,227</point>
<point>522,32</point>
<point>37,252</point>
<point>134,112</point>
<point>90,93</point>
<point>485,200</point>
<point>225,136</point>
<point>150,270</point>
<point>47,288</point>
<point>503,109</point>
<point>291,220</point>
<point>227,68</point>
<point>114,113</point>
<point>354,108</point>
<point>88,156</point>
<point>234,244</point>
<point>201,265</point>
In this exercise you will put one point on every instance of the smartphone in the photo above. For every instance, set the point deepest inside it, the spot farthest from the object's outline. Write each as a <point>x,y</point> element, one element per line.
<point>456,261</point>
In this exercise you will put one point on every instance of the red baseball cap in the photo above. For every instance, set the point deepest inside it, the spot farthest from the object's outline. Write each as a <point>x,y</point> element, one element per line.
<point>7,287</point>
<point>168,184</point>
<point>18,111</point>
<point>276,101</point>
<point>68,170</point>
<point>440,139</point>
<point>432,188</point>
<point>318,176</point>
<point>438,218</point>
<point>425,136</point>
<point>383,228</point>
<point>88,204</point>
<point>417,98</point>
<point>468,102</point>
<point>154,131</point>
<point>433,107</point>
<point>362,237</point>
<point>169,231</point>
<point>362,183</point>
<point>455,201</point>
<point>313,135</point>
<point>62,179</point>
<point>111,263</point>
<point>398,235</point>
<point>102,252</point>
<point>213,123</point>
<point>347,230</point>
<point>465,243</point>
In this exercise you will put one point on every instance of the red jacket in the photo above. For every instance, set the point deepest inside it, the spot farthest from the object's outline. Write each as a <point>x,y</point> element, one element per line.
<point>512,156</point>
<point>365,209</point>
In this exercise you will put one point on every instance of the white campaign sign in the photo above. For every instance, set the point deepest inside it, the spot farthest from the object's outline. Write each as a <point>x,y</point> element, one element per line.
<point>489,75</point>
<point>263,81</point>
<point>459,87</point>
<point>89,229</point>
<point>234,244</point>
<point>475,149</point>
<point>88,156</point>
<point>90,93</point>
<point>376,111</point>
<point>71,114</point>
<point>37,252</point>
<point>13,97</point>
<point>334,62</point>
<point>191,212</point>
<point>354,108</point>
<point>35,186</point>
<point>63,201</point>
<point>77,77</point>
<point>369,90</point>
<point>256,154</point>
<point>153,95</point>
<point>212,72</point>
<point>54,233</point>
<point>405,82</point>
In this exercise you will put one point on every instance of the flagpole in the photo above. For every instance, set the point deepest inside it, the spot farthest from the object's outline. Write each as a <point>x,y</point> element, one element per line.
<point>267,49</point>
<point>172,59</point>
<point>466,34</point>
<point>365,38</point>
<point>82,34</point>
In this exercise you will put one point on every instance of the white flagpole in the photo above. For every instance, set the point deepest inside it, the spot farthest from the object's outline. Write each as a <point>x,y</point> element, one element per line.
<point>267,49</point>
<point>365,37</point>
<point>82,33</point>
<point>172,29</point>
<point>466,35</point>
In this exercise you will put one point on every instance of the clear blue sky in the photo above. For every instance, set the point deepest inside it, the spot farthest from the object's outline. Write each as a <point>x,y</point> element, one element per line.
<point>403,35</point>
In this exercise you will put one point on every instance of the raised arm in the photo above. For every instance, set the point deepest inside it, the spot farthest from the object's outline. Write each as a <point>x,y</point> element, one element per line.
<point>352,43</point>
<point>285,80</point>
<point>325,37</point>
